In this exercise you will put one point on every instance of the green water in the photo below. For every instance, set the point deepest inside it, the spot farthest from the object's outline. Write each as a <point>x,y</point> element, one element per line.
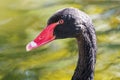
<point>22,20</point>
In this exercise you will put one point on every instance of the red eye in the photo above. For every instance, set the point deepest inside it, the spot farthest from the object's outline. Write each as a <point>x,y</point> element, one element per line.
<point>61,21</point>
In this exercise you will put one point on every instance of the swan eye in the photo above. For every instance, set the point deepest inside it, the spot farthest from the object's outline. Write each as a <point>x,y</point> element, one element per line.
<point>61,21</point>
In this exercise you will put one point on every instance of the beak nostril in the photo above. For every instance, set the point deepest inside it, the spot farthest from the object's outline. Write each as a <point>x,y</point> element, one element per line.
<point>41,37</point>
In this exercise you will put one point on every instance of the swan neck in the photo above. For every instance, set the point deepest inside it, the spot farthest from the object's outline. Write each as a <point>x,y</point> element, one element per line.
<point>86,60</point>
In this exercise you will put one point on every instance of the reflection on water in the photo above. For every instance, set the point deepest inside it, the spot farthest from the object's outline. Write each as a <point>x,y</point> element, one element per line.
<point>21,21</point>
<point>21,75</point>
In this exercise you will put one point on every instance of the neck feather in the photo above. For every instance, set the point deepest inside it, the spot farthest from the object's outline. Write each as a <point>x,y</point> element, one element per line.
<point>87,57</point>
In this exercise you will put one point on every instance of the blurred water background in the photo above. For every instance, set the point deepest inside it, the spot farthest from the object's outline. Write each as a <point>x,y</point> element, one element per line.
<point>22,20</point>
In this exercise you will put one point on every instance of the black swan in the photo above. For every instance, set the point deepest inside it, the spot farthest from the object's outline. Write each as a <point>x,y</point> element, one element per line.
<point>72,23</point>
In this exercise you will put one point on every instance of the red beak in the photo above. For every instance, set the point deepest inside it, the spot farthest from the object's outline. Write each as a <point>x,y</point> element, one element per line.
<point>44,37</point>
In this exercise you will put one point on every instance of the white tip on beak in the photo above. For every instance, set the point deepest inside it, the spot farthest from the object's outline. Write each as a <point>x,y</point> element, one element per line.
<point>31,45</point>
